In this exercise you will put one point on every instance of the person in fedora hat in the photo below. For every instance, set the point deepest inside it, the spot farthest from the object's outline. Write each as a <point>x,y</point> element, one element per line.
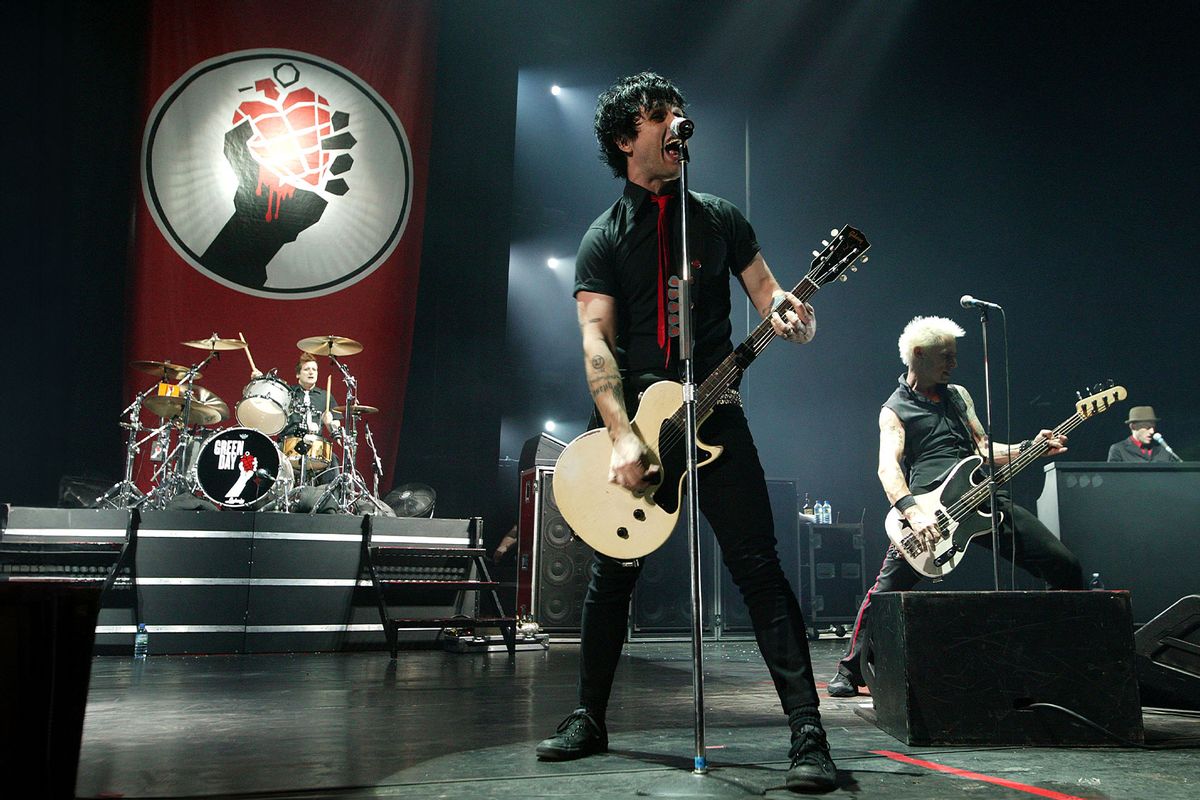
<point>1140,446</point>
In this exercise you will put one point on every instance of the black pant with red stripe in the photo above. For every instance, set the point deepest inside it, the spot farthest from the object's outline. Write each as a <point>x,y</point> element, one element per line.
<point>1038,552</point>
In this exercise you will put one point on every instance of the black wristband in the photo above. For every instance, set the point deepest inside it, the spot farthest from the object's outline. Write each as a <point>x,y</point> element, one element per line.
<point>905,503</point>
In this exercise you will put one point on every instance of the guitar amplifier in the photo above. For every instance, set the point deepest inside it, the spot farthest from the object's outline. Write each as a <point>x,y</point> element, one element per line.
<point>553,565</point>
<point>833,575</point>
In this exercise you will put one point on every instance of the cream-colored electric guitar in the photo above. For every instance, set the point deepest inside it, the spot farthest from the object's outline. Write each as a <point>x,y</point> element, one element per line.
<point>629,525</point>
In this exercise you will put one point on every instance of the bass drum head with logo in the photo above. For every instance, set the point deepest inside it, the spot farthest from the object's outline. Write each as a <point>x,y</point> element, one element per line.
<point>238,468</point>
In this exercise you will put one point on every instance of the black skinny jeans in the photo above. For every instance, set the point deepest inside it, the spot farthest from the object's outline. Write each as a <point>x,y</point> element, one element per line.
<point>733,498</point>
<point>1038,552</point>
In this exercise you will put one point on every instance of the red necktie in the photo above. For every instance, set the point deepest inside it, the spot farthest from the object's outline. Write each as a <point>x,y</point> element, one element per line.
<point>664,266</point>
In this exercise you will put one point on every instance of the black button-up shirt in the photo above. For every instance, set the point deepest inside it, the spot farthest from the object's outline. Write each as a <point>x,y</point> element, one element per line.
<point>619,257</point>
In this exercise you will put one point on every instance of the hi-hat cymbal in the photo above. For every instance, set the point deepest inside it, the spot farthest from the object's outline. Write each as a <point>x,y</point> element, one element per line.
<point>357,409</point>
<point>198,413</point>
<point>214,342</point>
<point>330,346</point>
<point>163,369</point>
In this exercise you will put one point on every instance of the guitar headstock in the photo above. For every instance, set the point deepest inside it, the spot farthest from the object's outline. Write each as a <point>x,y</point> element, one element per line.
<point>843,250</point>
<point>1099,399</point>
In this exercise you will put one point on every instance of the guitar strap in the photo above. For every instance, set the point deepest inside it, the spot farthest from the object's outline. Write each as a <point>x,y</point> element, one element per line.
<point>960,408</point>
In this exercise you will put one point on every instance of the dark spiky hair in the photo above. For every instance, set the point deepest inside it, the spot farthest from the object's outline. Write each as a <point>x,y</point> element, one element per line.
<point>617,111</point>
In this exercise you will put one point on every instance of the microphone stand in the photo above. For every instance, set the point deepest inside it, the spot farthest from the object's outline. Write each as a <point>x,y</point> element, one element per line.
<point>686,337</point>
<point>991,454</point>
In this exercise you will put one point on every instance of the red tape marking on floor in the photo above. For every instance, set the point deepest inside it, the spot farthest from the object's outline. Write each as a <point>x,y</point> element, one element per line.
<point>977,776</point>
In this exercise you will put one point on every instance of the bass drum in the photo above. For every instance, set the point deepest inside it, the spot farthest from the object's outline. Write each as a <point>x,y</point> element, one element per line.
<point>241,468</point>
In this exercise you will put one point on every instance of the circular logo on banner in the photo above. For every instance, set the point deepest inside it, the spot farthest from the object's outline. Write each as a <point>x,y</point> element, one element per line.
<point>277,173</point>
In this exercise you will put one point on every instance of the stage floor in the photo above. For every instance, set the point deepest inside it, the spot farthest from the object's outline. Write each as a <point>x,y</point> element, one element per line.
<point>439,724</point>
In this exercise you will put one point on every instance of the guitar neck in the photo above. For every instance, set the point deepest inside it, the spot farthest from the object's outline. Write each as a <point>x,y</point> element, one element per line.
<point>731,368</point>
<point>972,499</point>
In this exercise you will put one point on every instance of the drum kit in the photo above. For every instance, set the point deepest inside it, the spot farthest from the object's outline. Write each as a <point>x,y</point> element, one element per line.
<point>244,467</point>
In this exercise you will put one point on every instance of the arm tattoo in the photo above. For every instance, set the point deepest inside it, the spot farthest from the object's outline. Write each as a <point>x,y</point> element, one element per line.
<point>605,383</point>
<point>606,387</point>
<point>597,363</point>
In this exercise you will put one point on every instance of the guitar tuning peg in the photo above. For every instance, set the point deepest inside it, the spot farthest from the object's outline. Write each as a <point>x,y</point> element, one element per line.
<point>1111,383</point>
<point>865,259</point>
<point>824,243</point>
<point>816,253</point>
<point>843,278</point>
<point>1079,395</point>
<point>833,232</point>
<point>854,268</point>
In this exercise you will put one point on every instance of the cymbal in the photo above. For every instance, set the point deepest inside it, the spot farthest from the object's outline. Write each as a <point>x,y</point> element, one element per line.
<point>209,399</point>
<point>206,408</point>
<point>163,369</point>
<point>357,409</point>
<point>214,342</point>
<point>330,346</point>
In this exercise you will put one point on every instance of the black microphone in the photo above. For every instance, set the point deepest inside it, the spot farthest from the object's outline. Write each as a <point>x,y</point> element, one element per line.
<point>1158,438</point>
<point>966,301</point>
<point>682,128</point>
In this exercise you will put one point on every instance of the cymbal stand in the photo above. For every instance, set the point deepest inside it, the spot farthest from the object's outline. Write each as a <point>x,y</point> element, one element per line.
<point>125,493</point>
<point>376,464</point>
<point>176,481</point>
<point>348,485</point>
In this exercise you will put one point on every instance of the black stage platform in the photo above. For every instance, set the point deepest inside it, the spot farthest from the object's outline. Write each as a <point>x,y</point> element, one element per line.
<point>233,582</point>
<point>439,724</point>
<point>432,723</point>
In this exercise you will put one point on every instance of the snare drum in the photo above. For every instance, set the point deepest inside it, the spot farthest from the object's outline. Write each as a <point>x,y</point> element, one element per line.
<point>264,405</point>
<point>320,452</point>
<point>241,468</point>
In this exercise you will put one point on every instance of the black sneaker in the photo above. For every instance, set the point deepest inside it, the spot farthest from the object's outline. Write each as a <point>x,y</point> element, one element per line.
<point>840,686</point>
<point>578,735</point>
<point>812,769</point>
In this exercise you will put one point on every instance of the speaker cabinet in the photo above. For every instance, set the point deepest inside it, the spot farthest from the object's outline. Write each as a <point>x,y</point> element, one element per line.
<point>1168,656</point>
<point>662,599</point>
<point>969,667</point>
<point>785,511</point>
<point>553,565</point>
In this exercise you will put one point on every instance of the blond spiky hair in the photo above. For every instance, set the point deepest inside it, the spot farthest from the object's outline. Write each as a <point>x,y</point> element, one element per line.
<point>926,332</point>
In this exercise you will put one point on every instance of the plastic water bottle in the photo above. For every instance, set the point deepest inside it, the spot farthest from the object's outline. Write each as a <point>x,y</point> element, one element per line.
<point>1095,582</point>
<point>828,513</point>
<point>822,512</point>
<point>141,641</point>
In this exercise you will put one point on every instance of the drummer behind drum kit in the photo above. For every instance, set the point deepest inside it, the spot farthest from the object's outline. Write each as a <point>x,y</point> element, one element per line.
<point>242,467</point>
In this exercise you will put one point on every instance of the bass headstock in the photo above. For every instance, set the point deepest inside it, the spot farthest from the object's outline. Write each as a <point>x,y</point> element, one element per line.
<point>1098,399</point>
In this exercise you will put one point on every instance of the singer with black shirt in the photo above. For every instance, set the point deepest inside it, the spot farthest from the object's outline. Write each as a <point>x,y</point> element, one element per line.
<point>1145,444</point>
<point>622,278</point>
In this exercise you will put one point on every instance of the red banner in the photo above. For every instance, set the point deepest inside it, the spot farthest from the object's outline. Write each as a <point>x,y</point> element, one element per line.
<point>283,169</point>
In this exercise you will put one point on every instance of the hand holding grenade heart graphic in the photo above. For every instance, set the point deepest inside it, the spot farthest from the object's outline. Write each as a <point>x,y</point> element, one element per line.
<point>287,147</point>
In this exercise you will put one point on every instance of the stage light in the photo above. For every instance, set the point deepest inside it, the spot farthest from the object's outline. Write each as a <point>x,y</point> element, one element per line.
<point>552,262</point>
<point>549,426</point>
<point>556,90</point>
